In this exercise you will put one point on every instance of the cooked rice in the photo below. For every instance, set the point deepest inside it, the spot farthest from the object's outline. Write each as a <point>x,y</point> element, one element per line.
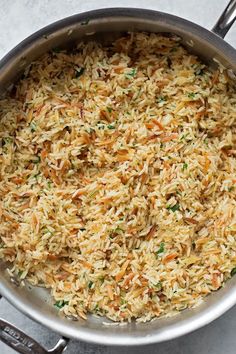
<point>118,178</point>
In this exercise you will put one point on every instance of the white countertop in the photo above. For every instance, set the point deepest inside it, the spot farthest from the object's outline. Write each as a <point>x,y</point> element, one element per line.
<point>20,18</point>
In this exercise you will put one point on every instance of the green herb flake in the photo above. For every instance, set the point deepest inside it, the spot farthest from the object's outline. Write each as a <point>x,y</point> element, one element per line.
<point>173,208</point>
<point>158,285</point>
<point>185,166</point>
<point>37,176</point>
<point>90,284</point>
<point>230,189</point>
<point>161,99</point>
<point>49,184</point>
<point>96,308</point>
<point>161,249</point>
<point>199,72</point>
<point>20,273</point>
<point>233,272</point>
<point>110,126</point>
<point>46,231</point>
<point>123,301</point>
<point>37,159</point>
<point>109,109</point>
<point>90,130</point>
<point>33,126</point>
<point>118,230</point>
<point>79,72</point>
<point>7,140</point>
<point>61,303</point>
<point>191,95</point>
<point>132,73</point>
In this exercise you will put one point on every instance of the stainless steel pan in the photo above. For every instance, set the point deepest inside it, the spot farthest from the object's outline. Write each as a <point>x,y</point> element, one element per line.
<point>105,25</point>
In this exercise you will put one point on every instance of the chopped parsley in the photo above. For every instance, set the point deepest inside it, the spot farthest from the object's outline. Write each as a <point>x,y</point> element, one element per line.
<point>185,166</point>
<point>79,72</point>
<point>161,249</point>
<point>233,272</point>
<point>199,71</point>
<point>161,99</point>
<point>109,109</point>
<point>173,208</point>
<point>118,229</point>
<point>191,95</point>
<point>123,301</point>
<point>158,285</point>
<point>36,176</point>
<point>61,303</point>
<point>33,126</point>
<point>184,136</point>
<point>90,284</point>
<point>92,194</point>
<point>7,140</point>
<point>132,73</point>
<point>110,126</point>
<point>37,159</point>
<point>20,273</point>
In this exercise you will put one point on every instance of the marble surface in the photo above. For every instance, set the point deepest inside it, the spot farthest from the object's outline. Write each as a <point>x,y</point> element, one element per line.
<point>20,18</point>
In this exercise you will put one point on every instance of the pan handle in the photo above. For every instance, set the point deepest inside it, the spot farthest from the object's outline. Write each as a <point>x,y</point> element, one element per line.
<point>226,20</point>
<point>24,344</point>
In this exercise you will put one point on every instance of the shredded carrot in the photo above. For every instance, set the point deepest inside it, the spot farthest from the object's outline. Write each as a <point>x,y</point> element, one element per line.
<point>149,125</point>
<point>122,152</point>
<point>55,178</point>
<point>215,280</point>
<point>110,292</point>
<point>87,264</point>
<point>65,166</point>
<point>52,257</point>
<point>169,137</point>
<point>105,142</point>
<point>160,126</point>
<point>128,278</point>
<point>144,177</point>
<point>123,158</point>
<point>26,247</point>
<point>46,172</point>
<point>35,220</point>
<point>44,154</point>
<point>24,206</point>
<point>151,233</point>
<point>17,180</point>
<point>170,257</point>
<point>39,109</point>
<point>78,193</point>
<point>214,251</point>
<point>215,77</point>
<point>121,273</point>
<point>191,220</point>
<point>207,164</point>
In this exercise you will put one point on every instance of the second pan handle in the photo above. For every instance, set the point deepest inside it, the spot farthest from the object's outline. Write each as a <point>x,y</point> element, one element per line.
<point>226,20</point>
